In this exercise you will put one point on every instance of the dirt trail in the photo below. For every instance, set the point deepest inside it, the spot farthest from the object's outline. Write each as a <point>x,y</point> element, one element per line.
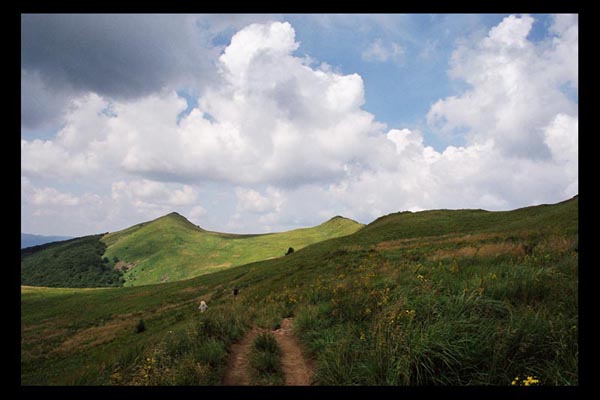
<point>296,368</point>
<point>238,367</point>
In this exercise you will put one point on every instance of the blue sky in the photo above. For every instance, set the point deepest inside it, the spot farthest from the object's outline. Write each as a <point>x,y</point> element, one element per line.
<point>257,123</point>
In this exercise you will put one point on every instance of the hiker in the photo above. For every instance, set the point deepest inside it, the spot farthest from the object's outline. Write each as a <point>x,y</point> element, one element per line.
<point>235,293</point>
<point>203,306</point>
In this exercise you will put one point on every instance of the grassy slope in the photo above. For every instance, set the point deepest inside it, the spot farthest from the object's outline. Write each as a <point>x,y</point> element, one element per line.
<point>174,247</point>
<point>459,297</point>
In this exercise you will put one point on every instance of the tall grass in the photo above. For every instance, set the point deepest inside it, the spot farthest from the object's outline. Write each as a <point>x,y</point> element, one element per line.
<point>422,311</point>
<point>265,361</point>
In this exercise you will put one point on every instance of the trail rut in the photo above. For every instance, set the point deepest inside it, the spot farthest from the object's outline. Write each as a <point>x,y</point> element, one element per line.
<point>296,367</point>
<point>298,370</point>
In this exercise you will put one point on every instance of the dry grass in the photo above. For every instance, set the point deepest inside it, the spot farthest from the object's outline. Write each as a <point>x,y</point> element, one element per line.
<point>96,335</point>
<point>559,244</point>
<point>426,241</point>
<point>484,250</point>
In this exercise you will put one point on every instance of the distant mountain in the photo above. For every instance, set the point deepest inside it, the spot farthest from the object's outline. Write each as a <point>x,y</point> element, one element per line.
<point>28,239</point>
<point>171,248</point>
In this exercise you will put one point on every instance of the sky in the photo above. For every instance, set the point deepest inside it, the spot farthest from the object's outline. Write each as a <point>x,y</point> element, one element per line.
<point>260,123</point>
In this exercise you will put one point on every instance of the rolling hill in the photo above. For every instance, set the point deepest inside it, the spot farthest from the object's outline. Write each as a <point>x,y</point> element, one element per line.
<point>443,297</point>
<point>171,248</point>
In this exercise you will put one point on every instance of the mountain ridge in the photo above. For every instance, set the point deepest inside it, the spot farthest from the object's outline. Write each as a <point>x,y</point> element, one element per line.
<point>172,248</point>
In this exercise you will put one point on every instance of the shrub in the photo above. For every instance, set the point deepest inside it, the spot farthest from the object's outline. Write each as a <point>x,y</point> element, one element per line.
<point>141,326</point>
<point>290,251</point>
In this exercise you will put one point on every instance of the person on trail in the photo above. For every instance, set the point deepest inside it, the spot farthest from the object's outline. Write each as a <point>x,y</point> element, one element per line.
<point>203,306</point>
<point>235,293</point>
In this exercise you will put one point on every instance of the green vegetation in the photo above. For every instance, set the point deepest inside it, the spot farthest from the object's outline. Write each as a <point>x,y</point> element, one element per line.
<point>171,248</point>
<point>266,361</point>
<point>463,297</point>
<point>72,263</point>
<point>141,326</point>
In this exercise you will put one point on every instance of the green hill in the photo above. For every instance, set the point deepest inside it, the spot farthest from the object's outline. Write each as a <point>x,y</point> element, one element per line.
<point>444,297</point>
<point>168,248</point>
<point>172,248</point>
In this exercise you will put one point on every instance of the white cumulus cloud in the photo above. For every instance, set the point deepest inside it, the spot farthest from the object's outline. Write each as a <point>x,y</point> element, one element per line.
<point>289,144</point>
<point>516,88</point>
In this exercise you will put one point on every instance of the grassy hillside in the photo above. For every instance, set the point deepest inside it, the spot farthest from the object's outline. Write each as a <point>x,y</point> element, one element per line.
<point>172,248</point>
<point>439,297</point>
<point>72,263</point>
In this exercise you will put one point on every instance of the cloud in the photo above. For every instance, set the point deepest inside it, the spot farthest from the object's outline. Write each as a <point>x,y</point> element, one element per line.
<point>41,107</point>
<point>148,194</point>
<point>196,213</point>
<point>516,88</point>
<point>74,151</point>
<point>377,51</point>
<point>288,144</point>
<point>273,120</point>
<point>46,196</point>
<point>50,196</point>
<point>47,159</point>
<point>117,56</point>
<point>252,201</point>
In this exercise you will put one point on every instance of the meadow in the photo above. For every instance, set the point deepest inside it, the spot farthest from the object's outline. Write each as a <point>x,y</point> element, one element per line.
<point>444,297</point>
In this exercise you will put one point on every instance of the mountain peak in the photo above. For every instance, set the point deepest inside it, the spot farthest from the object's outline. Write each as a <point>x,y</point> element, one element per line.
<point>340,219</point>
<point>175,216</point>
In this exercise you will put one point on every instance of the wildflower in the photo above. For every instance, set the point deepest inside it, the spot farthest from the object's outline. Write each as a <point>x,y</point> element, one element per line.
<point>362,336</point>
<point>531,381</point>
<point>420,277</point>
